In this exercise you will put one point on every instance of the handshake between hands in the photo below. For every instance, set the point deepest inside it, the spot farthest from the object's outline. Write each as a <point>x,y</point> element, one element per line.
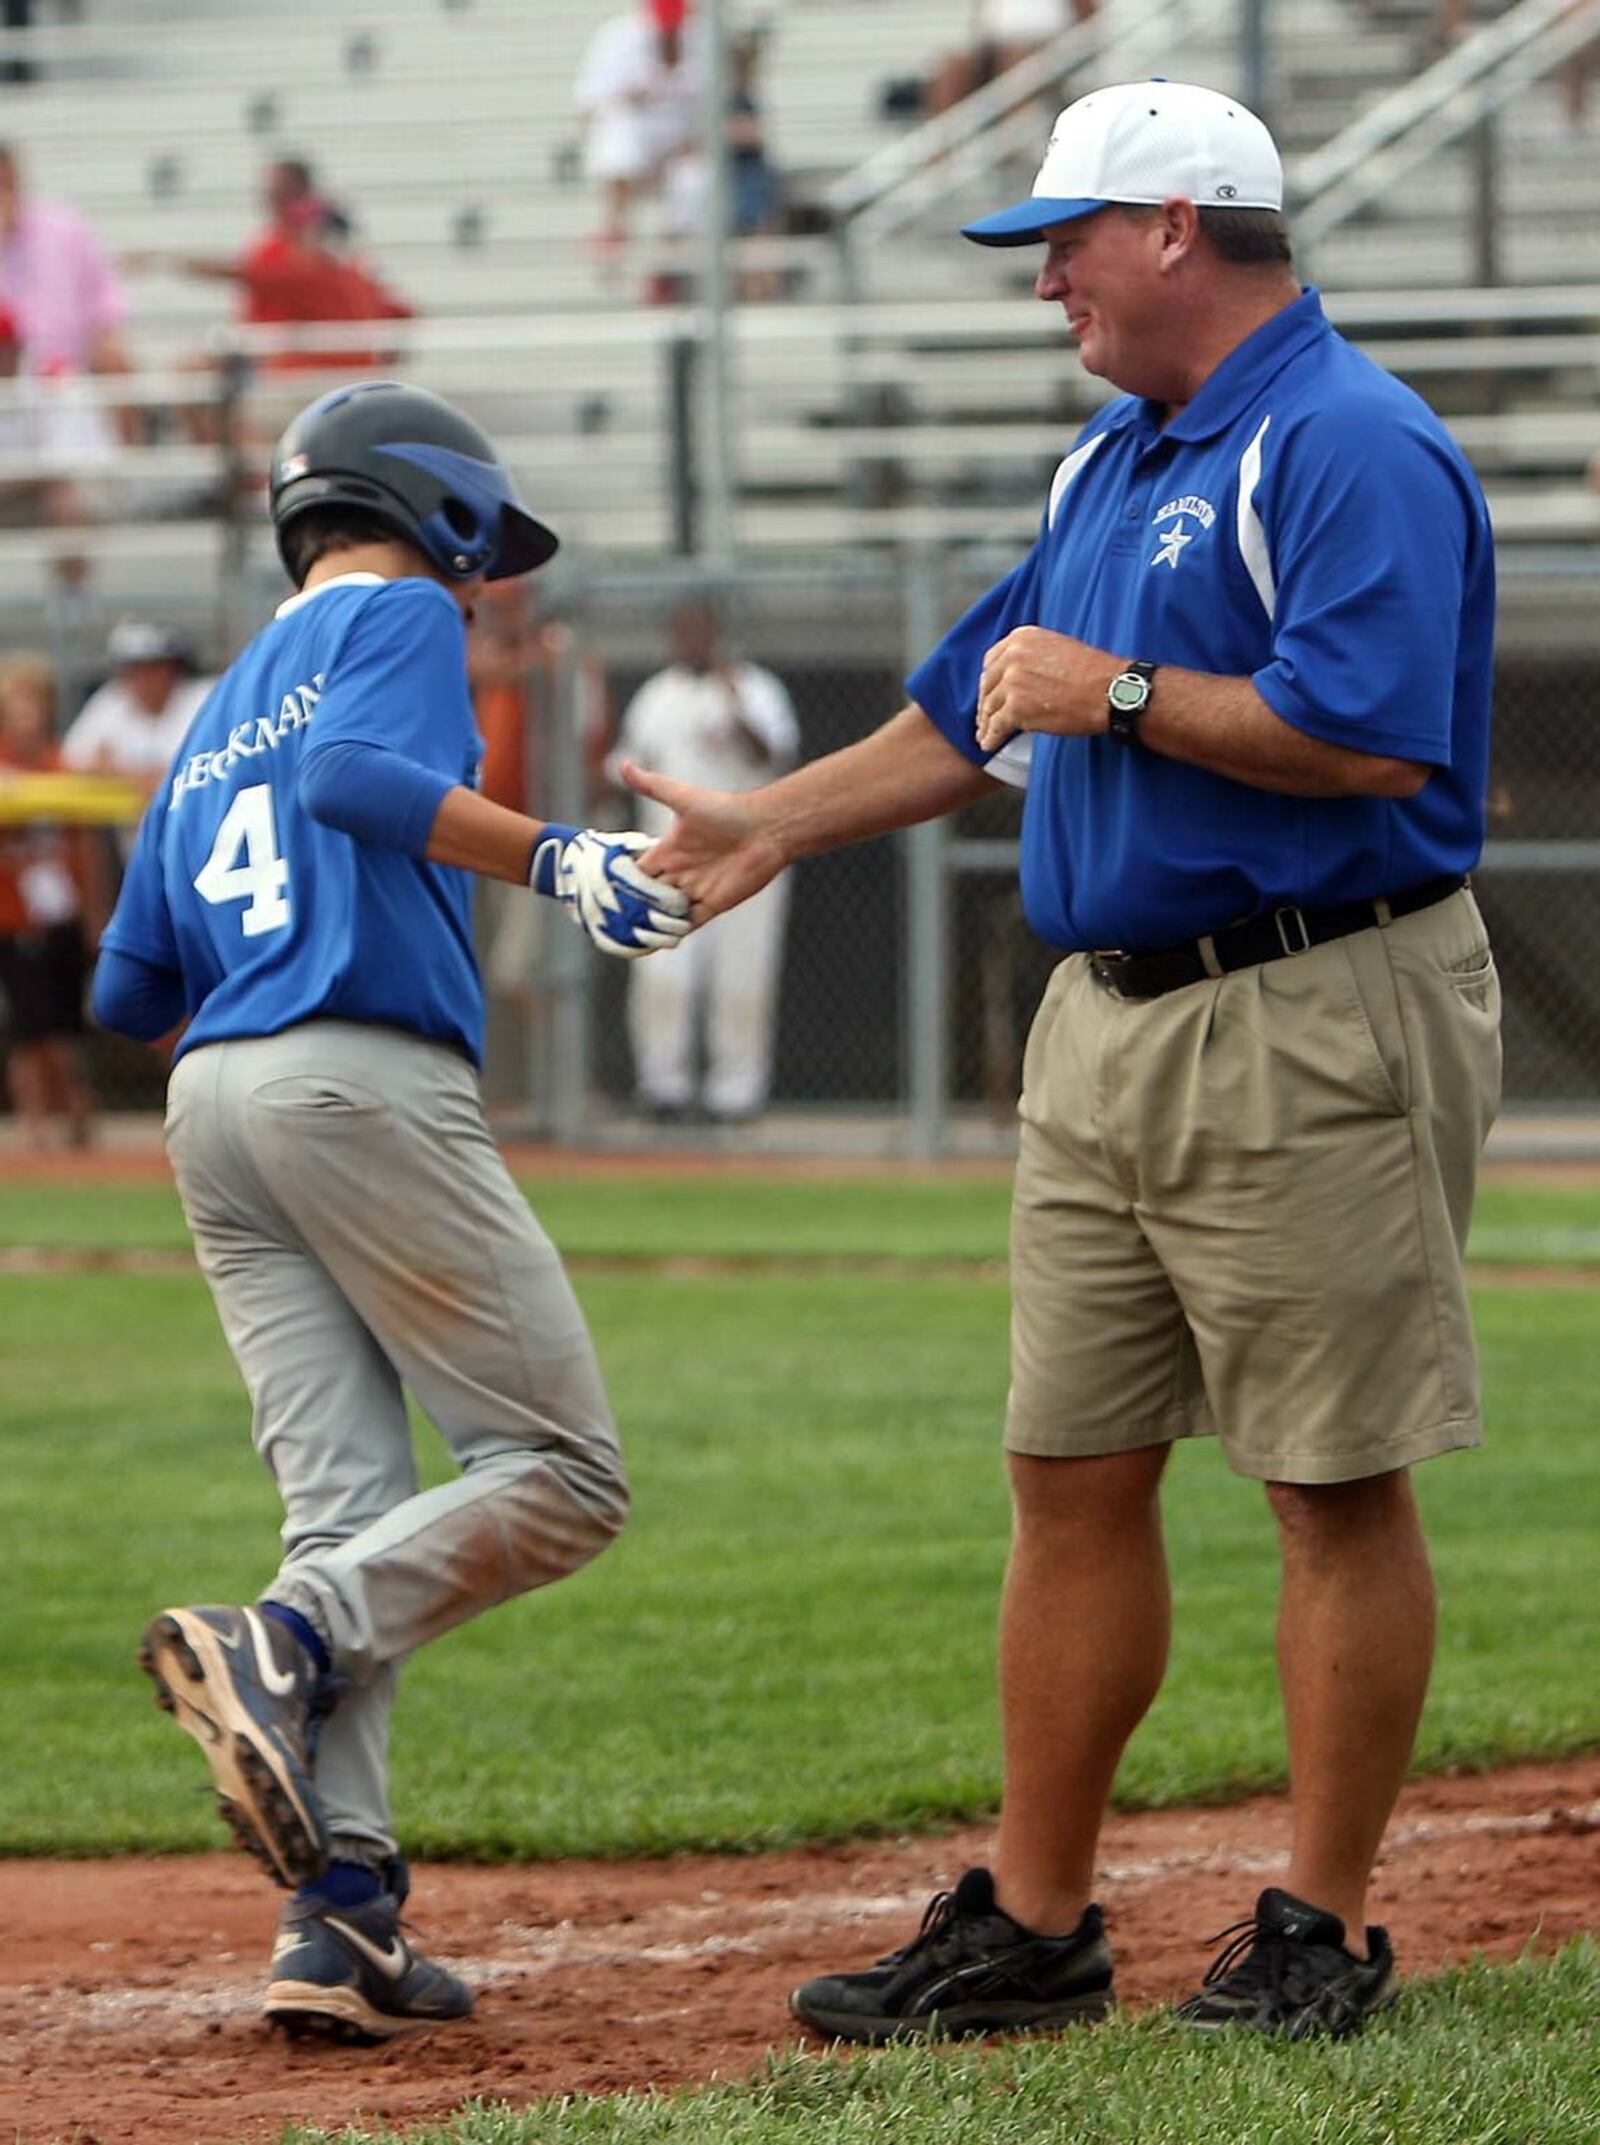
<point>597,879</point>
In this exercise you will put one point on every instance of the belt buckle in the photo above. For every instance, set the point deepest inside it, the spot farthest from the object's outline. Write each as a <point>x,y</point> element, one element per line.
<point>1280,923</point>
<point>1108,965</point>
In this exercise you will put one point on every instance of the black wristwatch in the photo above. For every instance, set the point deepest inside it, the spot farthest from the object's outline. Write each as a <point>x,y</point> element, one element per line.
<point>1127,697</point>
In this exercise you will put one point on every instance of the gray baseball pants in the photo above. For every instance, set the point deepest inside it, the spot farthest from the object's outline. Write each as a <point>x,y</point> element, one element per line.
<point>361,1236</point>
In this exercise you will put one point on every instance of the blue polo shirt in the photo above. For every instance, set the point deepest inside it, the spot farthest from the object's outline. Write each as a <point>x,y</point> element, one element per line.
<point>1308,523</point>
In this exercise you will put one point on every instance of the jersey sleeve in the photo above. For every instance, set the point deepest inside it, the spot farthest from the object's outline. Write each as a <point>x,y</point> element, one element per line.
<point>633,734</point>
<point>945,684</point>
<point>395,729</point>
<point>135,998</point>
<point>765,705</point>
<point>1363,547</point>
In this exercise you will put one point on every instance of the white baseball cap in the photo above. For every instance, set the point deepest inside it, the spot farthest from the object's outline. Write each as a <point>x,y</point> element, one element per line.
<point>138,640</point>
<point>1139,143</point>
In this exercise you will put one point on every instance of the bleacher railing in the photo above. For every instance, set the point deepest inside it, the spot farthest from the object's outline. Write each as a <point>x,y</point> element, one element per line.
<point>972,140</point>
<point>1476,79</point>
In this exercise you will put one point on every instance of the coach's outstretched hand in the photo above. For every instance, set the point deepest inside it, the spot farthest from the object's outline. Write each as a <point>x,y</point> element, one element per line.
<point>597,879</point>
<point>720,849</point>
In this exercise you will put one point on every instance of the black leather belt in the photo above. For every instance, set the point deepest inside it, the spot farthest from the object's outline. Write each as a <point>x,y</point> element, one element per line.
<point>1268,937</point>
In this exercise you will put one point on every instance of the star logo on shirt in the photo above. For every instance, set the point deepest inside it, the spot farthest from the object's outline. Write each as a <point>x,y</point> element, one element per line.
<point>1170,549</point>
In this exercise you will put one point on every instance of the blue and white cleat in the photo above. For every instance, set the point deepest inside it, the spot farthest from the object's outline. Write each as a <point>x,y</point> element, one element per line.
<point>252,1698</point>
<point>350,1974</point>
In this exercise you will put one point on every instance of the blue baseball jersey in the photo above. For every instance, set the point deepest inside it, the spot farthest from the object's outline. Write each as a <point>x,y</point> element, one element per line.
<point>1306,522</point>
<point>245,882</point>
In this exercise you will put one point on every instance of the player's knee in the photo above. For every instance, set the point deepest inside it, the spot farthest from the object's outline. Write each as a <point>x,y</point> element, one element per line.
<point>550,1529</point>
<point>609,1496</point>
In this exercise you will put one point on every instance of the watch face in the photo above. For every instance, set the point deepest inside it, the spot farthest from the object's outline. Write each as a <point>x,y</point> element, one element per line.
<point>1128,691</point>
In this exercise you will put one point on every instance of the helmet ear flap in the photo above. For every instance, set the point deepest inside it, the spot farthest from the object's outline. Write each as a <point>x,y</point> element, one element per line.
<point>456,538</point>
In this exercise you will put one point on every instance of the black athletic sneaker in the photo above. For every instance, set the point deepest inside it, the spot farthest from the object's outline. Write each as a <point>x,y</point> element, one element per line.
<point>251,1696</point>
<point>1287,1971</point>
<point>349,1972</point>
<point>969,1969</point>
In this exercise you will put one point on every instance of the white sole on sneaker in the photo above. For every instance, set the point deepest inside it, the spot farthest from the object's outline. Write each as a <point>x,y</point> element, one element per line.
<point>268,1813</point>
<point>309,2006</point>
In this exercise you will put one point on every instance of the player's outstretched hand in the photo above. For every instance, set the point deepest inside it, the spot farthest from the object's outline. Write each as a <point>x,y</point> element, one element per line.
<point>598,880</point>
<point>720,848</point>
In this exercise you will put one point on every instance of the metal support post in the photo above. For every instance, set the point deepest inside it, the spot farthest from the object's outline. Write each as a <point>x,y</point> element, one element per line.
<point>233,596</point>
<point>717,296</point>
<point>565,973</point>
<point>1257,68</point>
<point>1486,264</point>
<point>682,488</point>
<point>927,1001</point>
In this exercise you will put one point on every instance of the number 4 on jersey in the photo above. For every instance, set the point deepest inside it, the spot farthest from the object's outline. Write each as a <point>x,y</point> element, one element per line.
<point>260,880</point>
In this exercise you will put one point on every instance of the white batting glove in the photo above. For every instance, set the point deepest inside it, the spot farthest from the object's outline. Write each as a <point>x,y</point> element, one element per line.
<point>598,882</point>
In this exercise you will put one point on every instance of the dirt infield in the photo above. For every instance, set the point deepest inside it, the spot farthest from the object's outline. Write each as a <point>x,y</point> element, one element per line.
<point>129,1988</point>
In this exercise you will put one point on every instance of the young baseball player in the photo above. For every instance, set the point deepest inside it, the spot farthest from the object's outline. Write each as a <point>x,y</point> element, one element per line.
<point>300,897</point>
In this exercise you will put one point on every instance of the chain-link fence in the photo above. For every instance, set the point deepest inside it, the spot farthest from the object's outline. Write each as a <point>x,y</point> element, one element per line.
<point>908,978</point>
<point>855,1029</point>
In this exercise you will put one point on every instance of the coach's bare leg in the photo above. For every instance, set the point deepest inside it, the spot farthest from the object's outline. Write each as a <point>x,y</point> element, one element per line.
<point>1084,1625</point>
<point>1355,1645</point>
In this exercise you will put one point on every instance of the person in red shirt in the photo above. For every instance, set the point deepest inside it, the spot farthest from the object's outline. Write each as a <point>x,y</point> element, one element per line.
<point>298,270</point>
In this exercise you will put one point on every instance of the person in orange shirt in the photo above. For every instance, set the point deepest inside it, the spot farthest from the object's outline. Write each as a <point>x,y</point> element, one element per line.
<point>51,907</point>
<point>515,662</point>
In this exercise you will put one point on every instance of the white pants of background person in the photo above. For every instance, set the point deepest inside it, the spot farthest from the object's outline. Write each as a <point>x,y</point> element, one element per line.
<point>729,970</point>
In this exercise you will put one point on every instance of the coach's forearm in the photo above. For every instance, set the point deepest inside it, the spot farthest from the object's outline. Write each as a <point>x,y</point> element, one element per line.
<point>1223,724</point>
<point>900,775</point>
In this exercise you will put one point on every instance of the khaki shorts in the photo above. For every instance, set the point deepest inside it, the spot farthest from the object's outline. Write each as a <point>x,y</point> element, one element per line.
<point>1241,1207</point>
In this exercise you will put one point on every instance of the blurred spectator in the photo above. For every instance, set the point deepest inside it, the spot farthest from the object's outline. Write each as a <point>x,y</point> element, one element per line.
<point>757,188</point>
<point>136,721</point>
<point>516,662</point>
<point>709,719</point>
<point>638,90</point>
<point>52,907</point>
<point>299,270</point>
<point>53,436</point>
<point>57,282</point>
<point>1003,32</point>
<point>756,205</point>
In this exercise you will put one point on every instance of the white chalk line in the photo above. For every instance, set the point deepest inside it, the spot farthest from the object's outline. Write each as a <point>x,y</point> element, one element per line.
<point>671,1935</point>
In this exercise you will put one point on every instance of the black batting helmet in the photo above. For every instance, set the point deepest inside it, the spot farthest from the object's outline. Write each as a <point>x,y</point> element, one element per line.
<point>409,459</point>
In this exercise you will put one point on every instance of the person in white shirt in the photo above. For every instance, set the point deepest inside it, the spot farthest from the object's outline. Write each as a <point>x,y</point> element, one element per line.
<point>54,436</point>
<point>639,91</point>
<point>1004,32</point>
<point>710,719</point>
<point>134,723</point>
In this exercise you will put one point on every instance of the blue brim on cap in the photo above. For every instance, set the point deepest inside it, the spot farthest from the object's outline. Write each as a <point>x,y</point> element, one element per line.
<point>1027,220</point>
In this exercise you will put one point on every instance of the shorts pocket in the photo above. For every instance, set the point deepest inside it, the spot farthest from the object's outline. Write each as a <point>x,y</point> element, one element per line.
<point>1378,1029</point>
<point>1475,979</point>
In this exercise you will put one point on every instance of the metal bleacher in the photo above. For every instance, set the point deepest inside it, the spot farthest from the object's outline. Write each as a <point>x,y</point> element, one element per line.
<point>924,401</point>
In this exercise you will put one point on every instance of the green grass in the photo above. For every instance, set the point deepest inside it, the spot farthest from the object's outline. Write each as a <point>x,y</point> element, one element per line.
<point>1477,2057</point>
<point>793,1639</point>
<point>895,1217</point>
<point>888,1217</point>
